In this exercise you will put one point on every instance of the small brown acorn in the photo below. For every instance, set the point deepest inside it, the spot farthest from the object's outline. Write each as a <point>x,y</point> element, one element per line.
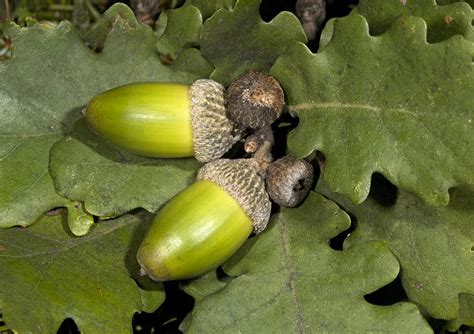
<point>254,100</point>
<point>289,180</point>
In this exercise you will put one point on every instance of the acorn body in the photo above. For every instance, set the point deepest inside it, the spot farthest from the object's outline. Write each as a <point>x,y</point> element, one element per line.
<point>141,117</point>
<point>197,231</point>
<point>165,120</point>
<point>201,227</point>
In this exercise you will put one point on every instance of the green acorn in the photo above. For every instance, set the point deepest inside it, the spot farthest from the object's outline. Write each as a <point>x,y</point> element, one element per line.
<point>165,120</point>
<point>201,227</point>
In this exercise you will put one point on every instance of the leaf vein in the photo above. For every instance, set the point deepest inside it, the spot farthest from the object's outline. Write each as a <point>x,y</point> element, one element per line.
<point>340,105</point>
<point>70,245</point>
<point>291,275</point>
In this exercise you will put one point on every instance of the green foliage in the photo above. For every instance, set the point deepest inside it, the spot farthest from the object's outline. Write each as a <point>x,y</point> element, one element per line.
<point>433,245</point>
<point>95,35</point>
<point>447,2</point>
<point>361,100</point>
<point>466,313</point>
<point>245,42</point>
<point>58,276</point>
<point>288,280</point>
<point>113,182</point>
<point>79,220</point>
<point>183,26</point>
<point>442,21</point>
<point>3,328</point>
<point>203,286</point>
<point>389,91</point>
<point>208,8</point>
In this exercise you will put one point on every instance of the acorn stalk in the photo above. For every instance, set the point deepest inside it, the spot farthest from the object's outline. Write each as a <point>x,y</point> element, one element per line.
<point>260,144</point>
<point>201,227</point>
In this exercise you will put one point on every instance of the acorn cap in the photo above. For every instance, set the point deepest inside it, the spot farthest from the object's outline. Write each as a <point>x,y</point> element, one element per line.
<point>289,180</point>
<point>240,179</point>
<point>213,133</point>
<point>254,100</point>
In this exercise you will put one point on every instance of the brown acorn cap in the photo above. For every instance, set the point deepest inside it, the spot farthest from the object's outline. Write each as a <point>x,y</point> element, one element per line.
<point>289,180</point>
<point>254,100</point>
<point>240,179</point>
<point>213,133</point>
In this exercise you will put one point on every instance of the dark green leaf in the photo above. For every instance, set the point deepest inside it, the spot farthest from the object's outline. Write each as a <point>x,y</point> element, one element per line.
<point>183,26</point>
<point>48,275</point>
<point>203,286</point>
<point>239,40</point>
<point>433,245</point>
<point>112,182</point>
<point>447,2</point>
<point>208,8</point>
<point>466,313</point>
<point>288,280</point>
<point>443,22</point>
<point>79,220</point>
<point>391,103</point>
<point>95,35</point>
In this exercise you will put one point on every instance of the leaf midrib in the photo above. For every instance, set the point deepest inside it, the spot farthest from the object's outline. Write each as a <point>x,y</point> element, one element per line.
<point>69,244</point>
<point>291,274</point>
<point>338,105</point>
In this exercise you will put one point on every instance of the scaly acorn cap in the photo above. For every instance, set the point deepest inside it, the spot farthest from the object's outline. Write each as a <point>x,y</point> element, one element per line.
<point>289,180</point>
<point>240,179</point>
<point>254,100</point>
<point>213,133</point>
